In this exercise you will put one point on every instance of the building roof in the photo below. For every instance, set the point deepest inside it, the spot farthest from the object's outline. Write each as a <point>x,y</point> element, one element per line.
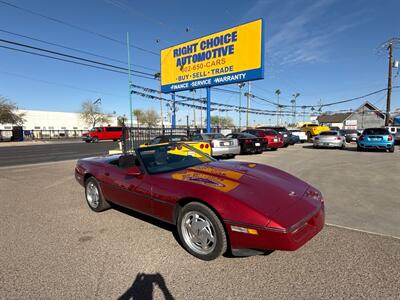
<point>373,108</point>
<point>334,118</point>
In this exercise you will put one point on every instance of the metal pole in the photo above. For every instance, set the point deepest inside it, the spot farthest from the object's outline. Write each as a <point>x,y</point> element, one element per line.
<point>248,103</point>
<point>173,111</point>
<point>161,107</point>
<point>208,109</point>
<point>130,89</point>
<point>240,105</point>
<point>389,88</point>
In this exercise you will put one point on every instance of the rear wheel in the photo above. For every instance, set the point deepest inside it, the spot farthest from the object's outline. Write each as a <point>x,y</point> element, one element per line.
<point>201,232</point>
<point>274,149</point>
<point>95,139</point>
<point>343,146</point>
<point>391,149</point>
<point>94,196</point>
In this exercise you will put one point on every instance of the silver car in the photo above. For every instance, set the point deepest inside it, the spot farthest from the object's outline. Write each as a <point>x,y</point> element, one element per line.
<point>330,139</point>
<point>220,145</point>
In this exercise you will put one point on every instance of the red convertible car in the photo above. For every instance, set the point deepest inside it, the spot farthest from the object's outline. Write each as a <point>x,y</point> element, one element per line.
<point>215,205</point>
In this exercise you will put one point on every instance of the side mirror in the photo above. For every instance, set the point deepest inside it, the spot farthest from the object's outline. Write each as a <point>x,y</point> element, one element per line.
<point>133,171</point>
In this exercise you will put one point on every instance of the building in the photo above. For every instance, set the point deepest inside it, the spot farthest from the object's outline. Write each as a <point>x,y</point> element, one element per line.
<point>367,115</point>
<point>51,120</point>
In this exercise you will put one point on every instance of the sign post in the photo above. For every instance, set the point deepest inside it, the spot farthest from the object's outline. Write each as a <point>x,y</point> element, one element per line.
<point>208,109</point>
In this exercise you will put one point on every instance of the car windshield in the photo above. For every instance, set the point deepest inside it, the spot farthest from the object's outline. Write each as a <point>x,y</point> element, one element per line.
<point>349,131</point>
<point>214,136</point>
<point>171,157</point>
<point>373,131</point>
<point>329,133</point>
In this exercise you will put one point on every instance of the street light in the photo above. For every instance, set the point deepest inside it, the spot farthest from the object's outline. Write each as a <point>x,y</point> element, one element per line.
<point>241,85</point>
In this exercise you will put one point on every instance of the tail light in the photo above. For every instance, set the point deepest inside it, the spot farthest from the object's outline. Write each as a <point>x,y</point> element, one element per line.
<point>338,138</point>
<point>247,141</point>
<point>390,137</point>
<point>207,146</point>
<point>361,138</point>
<point>201,146</point>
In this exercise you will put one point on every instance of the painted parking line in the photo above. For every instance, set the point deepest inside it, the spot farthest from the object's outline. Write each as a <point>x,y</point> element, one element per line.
<point>363,231</point>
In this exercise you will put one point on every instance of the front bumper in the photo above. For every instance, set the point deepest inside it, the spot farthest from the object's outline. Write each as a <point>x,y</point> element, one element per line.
<point>275,145</point>
<point>273,239</point>
<point>228,150</point>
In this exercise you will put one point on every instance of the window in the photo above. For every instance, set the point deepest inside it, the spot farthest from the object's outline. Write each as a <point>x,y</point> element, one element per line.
<point>7,127</point>
<point>51,127</point>
<point>64,128</point>
<point>37,127</point>
<point>373,131</point>
<point>197,137</point>
<point>329,133</point>
<point>75,128</point>
<point>156,140</point>
<point>113,129</point>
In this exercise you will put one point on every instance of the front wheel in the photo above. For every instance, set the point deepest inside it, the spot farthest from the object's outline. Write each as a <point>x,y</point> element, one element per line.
<point>95,139</point>
<point>94,196</point>
<point>201,232</point>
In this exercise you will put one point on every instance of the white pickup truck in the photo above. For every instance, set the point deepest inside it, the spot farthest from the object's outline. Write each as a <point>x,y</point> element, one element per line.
<point>220,145</point>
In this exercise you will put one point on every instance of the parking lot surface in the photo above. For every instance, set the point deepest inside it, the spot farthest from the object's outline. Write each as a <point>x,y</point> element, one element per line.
<point>54,247</point>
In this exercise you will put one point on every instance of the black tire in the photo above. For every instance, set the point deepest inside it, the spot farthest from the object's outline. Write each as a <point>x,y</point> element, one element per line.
<point>309,136</point>
<point>274,149</point>
<point>359,149</point>
<point>102,202</point>
<point>391,150</point>
<point>87,141</point>
<point>259,152</point>
<point>95,139</point>
<point>221,242</point>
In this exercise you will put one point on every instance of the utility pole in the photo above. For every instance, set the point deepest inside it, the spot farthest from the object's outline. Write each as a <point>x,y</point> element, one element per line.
<point>248,103</point>
<point>389,88</point>
<point>278,107</point>
<point>241,85</point>
<point>130,89</point>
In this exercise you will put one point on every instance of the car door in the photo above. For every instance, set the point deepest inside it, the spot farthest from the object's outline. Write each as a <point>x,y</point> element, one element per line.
<point>133,192</point>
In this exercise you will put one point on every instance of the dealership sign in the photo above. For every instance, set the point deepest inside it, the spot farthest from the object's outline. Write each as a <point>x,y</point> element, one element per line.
<point>229,56</point>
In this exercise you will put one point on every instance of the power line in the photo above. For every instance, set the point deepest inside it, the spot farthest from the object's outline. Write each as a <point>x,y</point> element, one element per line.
<point>75,26</point>
<point>73,49</point>
<point>71,56</point>
<point>70,61</point>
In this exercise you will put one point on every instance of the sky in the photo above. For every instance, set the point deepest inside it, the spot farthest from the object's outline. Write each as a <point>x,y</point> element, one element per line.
<point>326,50</point>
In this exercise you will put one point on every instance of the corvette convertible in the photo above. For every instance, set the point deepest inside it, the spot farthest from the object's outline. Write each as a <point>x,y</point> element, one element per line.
<point>217,206</point>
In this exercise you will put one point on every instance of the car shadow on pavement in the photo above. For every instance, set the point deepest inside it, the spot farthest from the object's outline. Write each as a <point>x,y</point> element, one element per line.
<point>143,286</point>
<point>348,148</point>
<point>150,220</point>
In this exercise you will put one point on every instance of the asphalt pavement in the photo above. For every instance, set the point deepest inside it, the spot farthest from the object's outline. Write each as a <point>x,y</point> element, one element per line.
<point>54,247</point>
<point>18,155</point>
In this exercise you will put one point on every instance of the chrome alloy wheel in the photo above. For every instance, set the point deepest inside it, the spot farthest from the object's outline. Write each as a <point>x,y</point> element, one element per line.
<point>198,232</point>
<point>92,195</point>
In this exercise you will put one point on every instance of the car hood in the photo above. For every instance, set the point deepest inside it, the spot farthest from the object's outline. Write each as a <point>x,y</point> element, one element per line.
<point>264,188</point>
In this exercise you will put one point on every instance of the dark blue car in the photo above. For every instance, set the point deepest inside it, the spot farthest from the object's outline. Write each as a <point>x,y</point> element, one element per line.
<point>376,138</point>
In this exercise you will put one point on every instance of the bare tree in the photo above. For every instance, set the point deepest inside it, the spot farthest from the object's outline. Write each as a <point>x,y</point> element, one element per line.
<point>91,114</point>
<point>122,120</point>
<point>8,114</point>
<point>221,121</point>
<point>151,118</point>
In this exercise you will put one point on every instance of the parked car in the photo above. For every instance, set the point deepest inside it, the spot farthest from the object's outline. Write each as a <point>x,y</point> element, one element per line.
<point>272,139</point>
<point>312,130</point>
<point>220,145</point>
<point>96,134</point>
<point>329,139</point>
<point>294,139</point>
<point>302,135</point>
<point>248,142</point>
<point>351,135</point>
<point>286,134</point>
<point>395,131</point>
<point>161,139</point>
<point>216,206</point>
<point>376,138</point>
